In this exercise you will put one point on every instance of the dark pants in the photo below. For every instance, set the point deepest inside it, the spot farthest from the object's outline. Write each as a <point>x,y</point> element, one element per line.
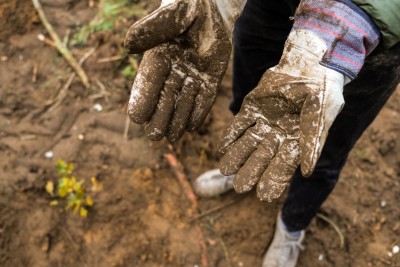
<point>259,38</point>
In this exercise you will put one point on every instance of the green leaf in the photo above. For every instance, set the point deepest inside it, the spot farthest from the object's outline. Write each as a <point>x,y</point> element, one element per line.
<point>83,212</point>
<point>50,188</point>
<point>63,168</point>
<point>104,26</point>
<point>129,72</point>
<point>89,201</point>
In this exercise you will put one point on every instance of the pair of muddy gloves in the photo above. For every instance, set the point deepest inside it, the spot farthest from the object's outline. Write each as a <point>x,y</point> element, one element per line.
<point>284,121</point>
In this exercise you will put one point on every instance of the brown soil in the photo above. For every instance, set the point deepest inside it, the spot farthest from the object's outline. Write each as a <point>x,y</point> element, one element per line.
<point>142,218</point>
<point>12,22</point>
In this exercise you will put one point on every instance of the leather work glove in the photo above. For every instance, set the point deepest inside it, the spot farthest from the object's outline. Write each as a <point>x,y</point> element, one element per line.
<point>188,46</point>
<point>284,121</point>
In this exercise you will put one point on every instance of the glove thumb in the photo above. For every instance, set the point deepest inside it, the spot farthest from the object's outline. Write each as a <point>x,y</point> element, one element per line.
<point>317,116</point>
<point>163,25</point>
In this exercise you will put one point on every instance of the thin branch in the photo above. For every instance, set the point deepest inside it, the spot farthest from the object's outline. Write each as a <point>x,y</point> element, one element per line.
<point>215,209</point>
<point>180,174</point>
<point>75,245</point>
<point>110,59</point>
<point>126,129</point>
<point>335,227</point>
<point>177,167</point>
<point>60,45</point>
<point>64,90</point>
<point>62,94</point>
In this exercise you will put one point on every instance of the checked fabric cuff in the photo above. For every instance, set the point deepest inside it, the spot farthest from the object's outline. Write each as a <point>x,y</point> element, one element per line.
<point>349,33</point>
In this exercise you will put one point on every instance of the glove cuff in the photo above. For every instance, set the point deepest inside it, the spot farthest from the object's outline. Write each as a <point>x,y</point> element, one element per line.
<point>350,35</point>
<point>230,10</point>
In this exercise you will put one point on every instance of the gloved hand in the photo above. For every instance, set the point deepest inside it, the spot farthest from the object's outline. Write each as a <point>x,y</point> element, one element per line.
<point>188,44</point>
<point>285,120</point>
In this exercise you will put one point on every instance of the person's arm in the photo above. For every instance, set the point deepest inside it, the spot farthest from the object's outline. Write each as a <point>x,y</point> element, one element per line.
<point>284,122</point>
<point>188,46</point>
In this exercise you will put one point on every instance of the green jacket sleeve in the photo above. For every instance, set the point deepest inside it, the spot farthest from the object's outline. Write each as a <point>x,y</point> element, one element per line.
<point>386,15</point>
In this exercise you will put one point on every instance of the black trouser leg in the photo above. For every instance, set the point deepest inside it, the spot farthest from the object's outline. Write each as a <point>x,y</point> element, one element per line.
<point>260,34</point>
<point>259,37</point>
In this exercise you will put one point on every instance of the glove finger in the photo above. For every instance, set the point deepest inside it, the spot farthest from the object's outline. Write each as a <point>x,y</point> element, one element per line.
<point>316,118</point>
<point>279,172</point>
<point>250,173</point>
<point>203,103</point>
<point>183,109</point>
<point>241,150</point>
<point>163,25</point>
<point>157,127</point>
<point>146,88</point>
<point>242,121</point>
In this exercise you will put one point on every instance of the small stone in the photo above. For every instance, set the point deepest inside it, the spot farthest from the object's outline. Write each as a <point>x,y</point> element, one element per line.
<point>321,257</point>
<point>49,154</point>
<point>46,244</point>
<point>98,107</point>
<point>383,203</point>
<point>4,58</point>
<point>396,249</point>
<point>81,137</point>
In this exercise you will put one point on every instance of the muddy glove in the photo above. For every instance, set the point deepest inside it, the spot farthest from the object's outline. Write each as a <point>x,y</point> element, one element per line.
<point>188,44</point>
<point>284,121</point>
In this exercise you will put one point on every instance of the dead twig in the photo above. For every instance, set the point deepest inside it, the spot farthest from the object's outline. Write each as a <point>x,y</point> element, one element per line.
<point>335,227</point>
<point>103,90</point>
<point>215,209</point>
<point>45,40</point>
<point>74,244</point>
<point>71,119</point>
<point>179,173</point>
<point>60,45</point>
<point>34,72</point>
<point>110,59</point>
<point>221,243</point>
<point>64,90</point>
<point>187,188</point>
<point>62,94</point>
<point>126,129</point>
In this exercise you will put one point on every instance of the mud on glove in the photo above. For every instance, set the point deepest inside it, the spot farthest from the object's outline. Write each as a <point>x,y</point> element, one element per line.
<point>188,46</point>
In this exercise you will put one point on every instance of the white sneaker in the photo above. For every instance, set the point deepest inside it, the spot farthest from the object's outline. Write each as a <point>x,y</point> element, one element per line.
<point>285,248</point>
<point>212,183</point>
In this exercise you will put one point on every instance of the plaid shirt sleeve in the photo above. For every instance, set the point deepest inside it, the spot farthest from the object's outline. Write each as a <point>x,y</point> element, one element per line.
<point>347,30</point>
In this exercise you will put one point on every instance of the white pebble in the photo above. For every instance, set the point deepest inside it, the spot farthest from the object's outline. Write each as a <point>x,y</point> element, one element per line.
<point>383,203</point>
<point>396,249</point>
<point>390,254</point>
<point>321,257</point>
<point>81,137</point>
<point>49,154</point>
<point>98,107</point>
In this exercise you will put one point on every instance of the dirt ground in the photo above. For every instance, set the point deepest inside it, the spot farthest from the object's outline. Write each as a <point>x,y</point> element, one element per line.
<point>142,217</point>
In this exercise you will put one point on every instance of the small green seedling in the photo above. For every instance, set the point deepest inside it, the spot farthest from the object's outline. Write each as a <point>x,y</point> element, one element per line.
<point>71,191</point>
<point>111,16</point>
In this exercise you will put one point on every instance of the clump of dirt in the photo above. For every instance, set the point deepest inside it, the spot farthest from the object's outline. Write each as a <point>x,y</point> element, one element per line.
<point>16,16</point>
